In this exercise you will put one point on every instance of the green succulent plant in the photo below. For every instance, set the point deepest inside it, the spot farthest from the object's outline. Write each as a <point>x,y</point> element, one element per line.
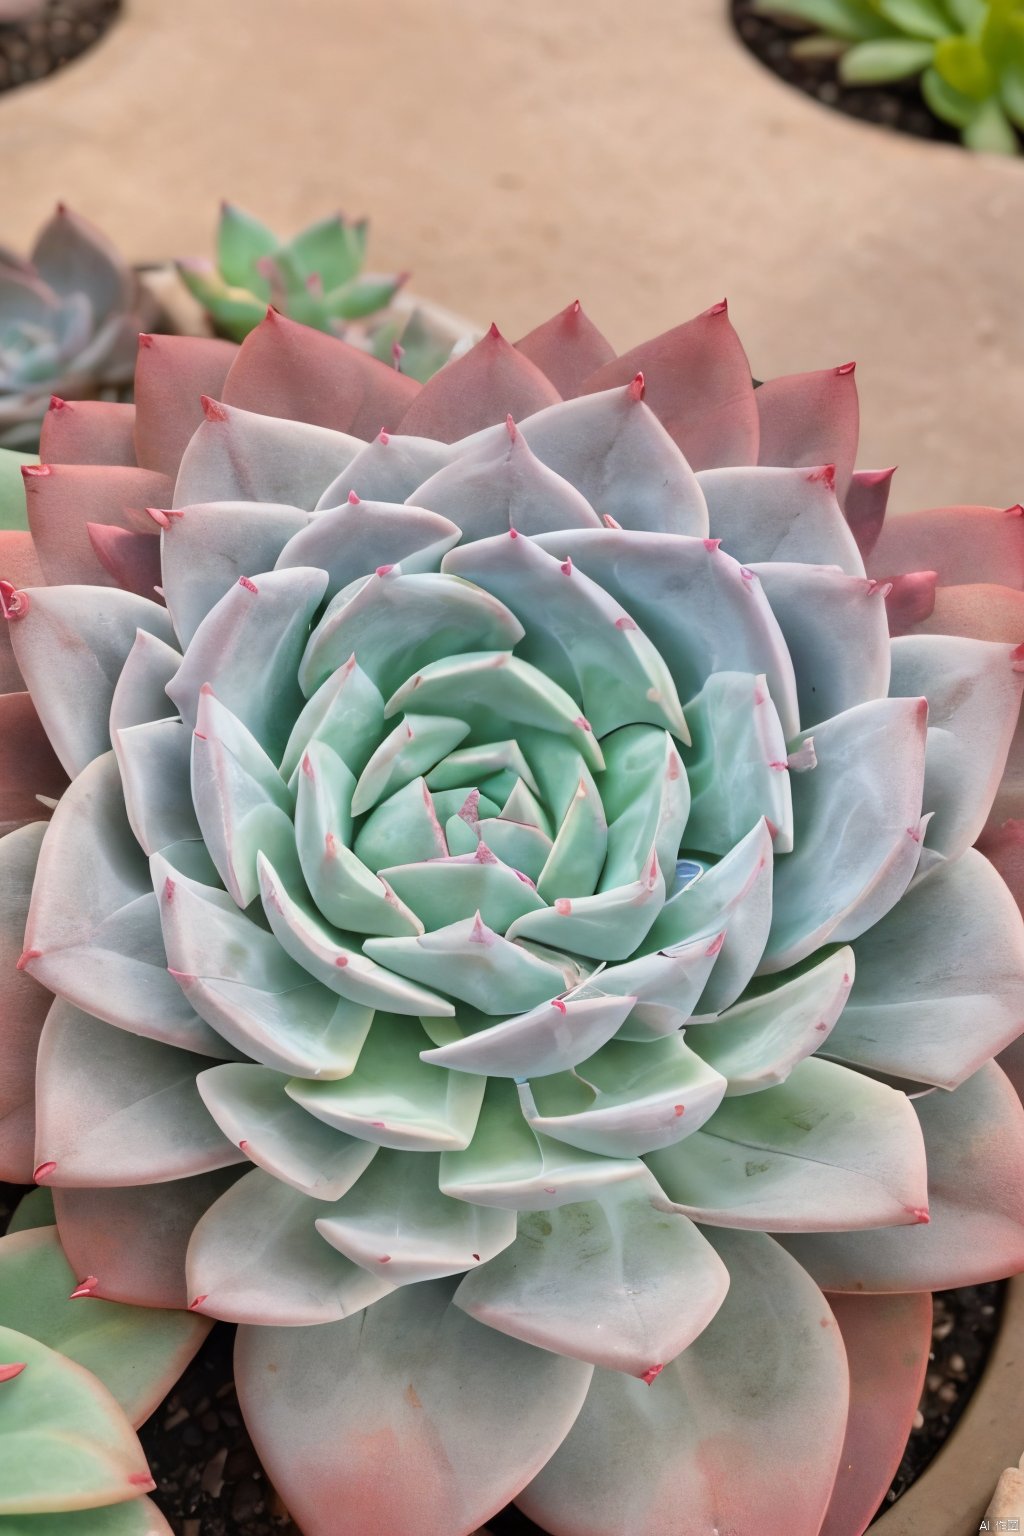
<point>512,938</point>
<point>316,278</point>
<point>967,54</point>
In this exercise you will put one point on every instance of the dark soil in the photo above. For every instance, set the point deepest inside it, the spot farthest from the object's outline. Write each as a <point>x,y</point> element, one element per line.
<point>210,1482</point>
<point>32,49</point>
<point>889,106</point>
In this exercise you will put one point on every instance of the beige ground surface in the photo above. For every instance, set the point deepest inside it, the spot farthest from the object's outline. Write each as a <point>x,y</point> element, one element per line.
<point>517,155</point>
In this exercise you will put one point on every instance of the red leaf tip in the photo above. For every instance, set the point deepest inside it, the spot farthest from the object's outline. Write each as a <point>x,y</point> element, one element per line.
<point>510,428</point>
<point>494,333</point>
<point>636,386</point>
<point>57,404</point>
<point>13,604</point>
<point>145,340</point>
<point>651,1374</point>
<point>919,1213</point>
<point>25,959</point>
<point>35,471</point>
<point>212,409</point>
<point>825,476</point>
<point>43,1172</point>
<point>142,1480</point>
<point>845,369</point>
<point>84,1288</point>
<point>721,308</point>
<point>1015,511</point>
<point>10,1369</point>
<point>353,499</point>
<point>197,1302</point>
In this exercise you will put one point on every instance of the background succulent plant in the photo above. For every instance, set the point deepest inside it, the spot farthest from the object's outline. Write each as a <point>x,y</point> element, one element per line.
<point>316,278</point>
<point>514,922</point>
<point>69,319</point>
<point>967,54</point>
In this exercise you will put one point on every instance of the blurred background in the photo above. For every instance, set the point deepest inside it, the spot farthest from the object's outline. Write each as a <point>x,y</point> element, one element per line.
<point>516,156</point>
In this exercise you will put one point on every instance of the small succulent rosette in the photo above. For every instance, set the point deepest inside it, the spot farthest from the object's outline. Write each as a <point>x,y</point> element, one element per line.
<point>316,278</point>
<point>70,316</point>
<point>513,939</point>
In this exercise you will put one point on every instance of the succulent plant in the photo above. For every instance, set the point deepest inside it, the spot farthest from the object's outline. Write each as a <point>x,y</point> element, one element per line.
<point>515,929</point>
<point>967,54</point>
<point>69,319</point>
<point>316,278</point>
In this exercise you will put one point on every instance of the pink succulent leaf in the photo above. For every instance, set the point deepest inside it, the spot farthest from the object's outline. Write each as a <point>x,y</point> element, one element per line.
<point>19,568</point>
<point>961,544</point>
<point>239,455</point>
<point>71,646</point>
<point>28,766</point>
<point>730,909</point>
<point>349,540</point>
<point>613,449</point>
<point>63,499</point>
<point>952,946</point>
<point>252,1108</point>
<point>568,348</point>
<point>909,600</point>
<point>693,602</point>
<point>828,1149</point>
<point>777,515</point>
<point>88,432</point>
<point>491,381</point>
<point>288,1274</point>
<point>206,550</point>
<point>570,623</point>
<point>501,484</point>
<point>284,369</point>
<point>256,625</point>
<point>809,419</point>
<point>698,384</point>
<point>613,1281</point>
<point>866,502</point>
<point>133,559</point>
<point>757,1042</point>
<point>388,468</point>
<point>136,1353</point>
<point>836,632</point>
<point>100,947</point>
<point>241,981</point>
<point>398,1226</point>
<point>68,1444</point>
<point>172,374</point>
<point>973,688</point>
<point>887,1340</point>
<point>475,1412</point>
<point>100,1234</point>
<point>638,1454</point>
<point>870,764</point>
<point>1003,845</point>
<point>975,1143</point>
<point>115,1107</point>
<point>24,1008</point>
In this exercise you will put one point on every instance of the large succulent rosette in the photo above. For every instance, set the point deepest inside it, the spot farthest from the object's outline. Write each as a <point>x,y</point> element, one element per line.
<point>69,320</point>
<point>514,923</point>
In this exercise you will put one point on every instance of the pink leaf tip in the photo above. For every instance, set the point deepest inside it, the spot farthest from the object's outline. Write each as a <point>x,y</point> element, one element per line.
<point>825,476</point>
<point>10,1369</point>
<point>651,1374</point>
<point>353,499</point>
<point>35,471</point>
<point>43,1172</point>
<point>636,386</point>
<point>493,332</point>
<point>250,586</point>
<point>13,604</point>
<point>197,1302</point>
<point>212,409</point>
<point>84,1288</point>
<point>845,369</point>
<point>721,308</point>
<point>919,1213</point>
<point>57,404</point>
<point>25,959</point>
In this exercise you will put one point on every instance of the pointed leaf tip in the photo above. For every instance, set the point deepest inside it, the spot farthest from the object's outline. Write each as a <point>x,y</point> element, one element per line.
<point>212,409</point>
<point>844,369</point>
<point>12,1369</point>
<point>43,1172</point>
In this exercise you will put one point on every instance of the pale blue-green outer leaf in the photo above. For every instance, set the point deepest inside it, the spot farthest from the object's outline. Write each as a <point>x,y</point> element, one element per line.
<point>549,1038</point>
<point>389,469</point>
<point>829,1149</point>
<point>256,1257</point>
<point>743,1431</point>
<point>205,549</point>
<point>611,1280</point>
<point>940,980</point>
<point>240,455</point>
<point>435,1421</point>
<point>140,692</point>
<point>737,768</point>
<point>352,540</point>
<point>763,513</point>
<point>474,964</point>
<point>71,646</point>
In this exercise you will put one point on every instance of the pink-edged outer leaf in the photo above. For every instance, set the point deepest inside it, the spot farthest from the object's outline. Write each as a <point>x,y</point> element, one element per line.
<point>568,348</point>
<point>1003,846</point>
<point>286,369</point>
<point>23,1007</point>
<point>133,559</point>
<point>88,432</point>
<point>697,382</point>
<point>19,568</point>
<point>809,419</point>
<point>172,373</point>
<point>63,499</point>
<point>133,1240</point>
<point>887,1339</point>
<point>491,381</point>
<point>909,600</point>
<point>741,1433</point>
<point>961,544</point>
<point>434,1421</point>
<point>28,766</point>
<point>974,1138</point>
<point>980,610</point>
<point>866,503</point>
